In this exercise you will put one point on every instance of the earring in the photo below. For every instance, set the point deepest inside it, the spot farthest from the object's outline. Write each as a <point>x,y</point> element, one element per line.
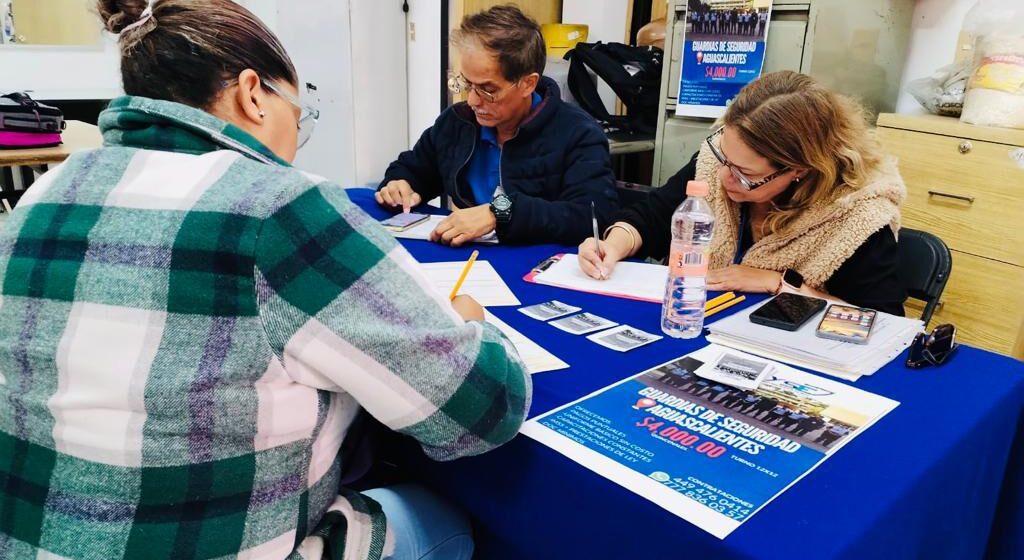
<point>262,114</point>
<point>797,180</point>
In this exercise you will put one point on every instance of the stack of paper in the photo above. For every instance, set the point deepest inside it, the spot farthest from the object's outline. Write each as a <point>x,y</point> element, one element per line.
<point>889,337</point>
<point>483,282</point>
<point>535,358</point>
<point>486,286</point>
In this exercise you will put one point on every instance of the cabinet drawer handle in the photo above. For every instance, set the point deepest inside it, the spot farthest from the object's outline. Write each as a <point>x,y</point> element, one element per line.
<point>967,199</point>
<point>964,147</point>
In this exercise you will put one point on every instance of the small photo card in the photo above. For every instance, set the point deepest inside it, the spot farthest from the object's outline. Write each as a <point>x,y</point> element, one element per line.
<point>582,323</point>
<point>624,338</point>
<point>548,310</point>
<point>742,371</point>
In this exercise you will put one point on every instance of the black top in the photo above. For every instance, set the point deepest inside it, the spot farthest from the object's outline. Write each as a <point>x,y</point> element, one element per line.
<point>869,278</point>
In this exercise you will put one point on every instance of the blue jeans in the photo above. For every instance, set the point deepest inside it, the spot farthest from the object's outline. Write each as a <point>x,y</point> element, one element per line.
<point>426,527</point>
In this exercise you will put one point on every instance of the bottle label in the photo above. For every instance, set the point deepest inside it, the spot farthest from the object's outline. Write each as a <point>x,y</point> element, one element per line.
<point>688,260</point>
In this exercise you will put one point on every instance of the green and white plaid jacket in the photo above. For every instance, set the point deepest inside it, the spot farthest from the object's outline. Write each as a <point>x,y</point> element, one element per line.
<point>188,327</point>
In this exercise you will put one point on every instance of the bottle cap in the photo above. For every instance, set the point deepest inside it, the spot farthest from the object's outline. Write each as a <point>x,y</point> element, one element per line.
<point>697,188</point>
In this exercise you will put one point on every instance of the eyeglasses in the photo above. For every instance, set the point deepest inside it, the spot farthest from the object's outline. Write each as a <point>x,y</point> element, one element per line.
<point>308,114</point>
<point>457,83</point>
<point>747,182</point>
<point>933,349</point>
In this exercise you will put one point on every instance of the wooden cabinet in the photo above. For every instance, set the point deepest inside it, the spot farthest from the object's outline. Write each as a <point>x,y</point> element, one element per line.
<point>56,22</point>
<point>966,184</point>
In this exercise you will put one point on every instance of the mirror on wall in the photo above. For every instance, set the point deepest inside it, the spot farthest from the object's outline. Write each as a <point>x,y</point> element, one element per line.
<point>49,22</point>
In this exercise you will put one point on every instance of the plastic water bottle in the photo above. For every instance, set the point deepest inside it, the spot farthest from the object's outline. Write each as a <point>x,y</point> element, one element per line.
<point>682,313</point>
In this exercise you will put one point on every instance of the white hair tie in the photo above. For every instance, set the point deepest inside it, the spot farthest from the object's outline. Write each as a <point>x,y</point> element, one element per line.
<point>146,15</point>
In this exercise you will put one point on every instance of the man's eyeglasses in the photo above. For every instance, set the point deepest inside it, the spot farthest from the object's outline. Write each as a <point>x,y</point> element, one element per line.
<point>308,114</point>
<point>457,83</point>
<point>714,142</point>
<point>933,349</point>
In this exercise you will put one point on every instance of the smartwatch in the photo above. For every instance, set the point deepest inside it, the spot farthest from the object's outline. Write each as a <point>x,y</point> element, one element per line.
<point>793,279</point>
<point>501,205</point>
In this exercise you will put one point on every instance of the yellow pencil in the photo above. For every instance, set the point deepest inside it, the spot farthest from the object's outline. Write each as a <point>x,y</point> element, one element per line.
<point>715,302</point>
<point>725,305</point>
<point>465,272</point>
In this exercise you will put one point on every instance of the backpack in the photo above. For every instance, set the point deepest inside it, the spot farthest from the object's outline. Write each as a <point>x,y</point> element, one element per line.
<point>26,123</point>
<point>633,73</point>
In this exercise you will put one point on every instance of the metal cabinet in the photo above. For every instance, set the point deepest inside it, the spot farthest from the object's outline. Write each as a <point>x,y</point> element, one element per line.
<point>856,48</point>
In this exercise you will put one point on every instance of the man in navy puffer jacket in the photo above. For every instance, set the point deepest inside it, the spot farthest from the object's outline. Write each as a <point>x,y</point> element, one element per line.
<point>513,158</point>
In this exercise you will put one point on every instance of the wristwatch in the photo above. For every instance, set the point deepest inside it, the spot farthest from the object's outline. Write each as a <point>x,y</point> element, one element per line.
<point>501,205</point>
<point>791,279</point>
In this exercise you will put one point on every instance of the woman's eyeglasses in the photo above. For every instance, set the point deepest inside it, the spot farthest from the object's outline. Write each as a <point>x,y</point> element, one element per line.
<point>933,349</point>
<point>308,114</point>
<point>714,142</point>
<point>457,83</point>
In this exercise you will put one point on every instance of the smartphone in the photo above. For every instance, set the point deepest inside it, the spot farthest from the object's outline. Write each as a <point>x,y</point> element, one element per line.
<point>847,323</point>
<point>787,311</point>
<point>402,222</point>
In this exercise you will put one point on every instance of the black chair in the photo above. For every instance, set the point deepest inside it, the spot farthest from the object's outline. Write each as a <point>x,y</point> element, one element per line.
<point>925,264</point>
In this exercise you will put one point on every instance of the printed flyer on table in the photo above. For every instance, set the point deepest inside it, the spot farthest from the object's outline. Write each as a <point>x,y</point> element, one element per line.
<point>708,452</point>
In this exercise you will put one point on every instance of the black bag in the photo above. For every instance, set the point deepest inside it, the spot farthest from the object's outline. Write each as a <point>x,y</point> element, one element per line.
<point>633,73</point>
<point>26,123</point>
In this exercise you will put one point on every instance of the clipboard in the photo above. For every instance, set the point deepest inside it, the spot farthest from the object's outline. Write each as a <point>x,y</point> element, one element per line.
<point>637,281</point>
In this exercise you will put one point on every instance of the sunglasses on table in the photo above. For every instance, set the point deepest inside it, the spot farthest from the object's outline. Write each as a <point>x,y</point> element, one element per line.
<point>933,349</point>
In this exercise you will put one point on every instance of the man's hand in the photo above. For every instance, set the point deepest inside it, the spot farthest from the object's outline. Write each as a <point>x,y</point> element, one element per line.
<point>464,225</point>
<point>398,193</point>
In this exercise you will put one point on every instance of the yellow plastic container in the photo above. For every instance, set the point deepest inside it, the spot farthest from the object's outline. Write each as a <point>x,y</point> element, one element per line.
<point>560,38</point>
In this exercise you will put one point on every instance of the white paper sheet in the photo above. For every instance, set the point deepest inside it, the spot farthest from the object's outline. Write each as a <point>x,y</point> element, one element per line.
<point>632,280</point>
<point>483,282</point>
<point>422,231</point>
<point>536,358</point>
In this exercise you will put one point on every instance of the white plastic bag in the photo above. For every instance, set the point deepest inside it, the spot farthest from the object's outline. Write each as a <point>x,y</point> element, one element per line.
<point>995,91</point>
<point>995,16</point>
<point>942,93</point>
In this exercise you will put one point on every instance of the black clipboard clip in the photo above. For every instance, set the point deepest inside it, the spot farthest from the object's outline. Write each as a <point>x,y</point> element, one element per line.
<point>546,264</point>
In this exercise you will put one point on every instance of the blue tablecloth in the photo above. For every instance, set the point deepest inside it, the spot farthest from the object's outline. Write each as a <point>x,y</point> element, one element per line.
<point>942,476</point>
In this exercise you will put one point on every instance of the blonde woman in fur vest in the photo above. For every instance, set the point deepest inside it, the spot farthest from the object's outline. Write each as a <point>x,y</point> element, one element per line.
<point>800,190</point>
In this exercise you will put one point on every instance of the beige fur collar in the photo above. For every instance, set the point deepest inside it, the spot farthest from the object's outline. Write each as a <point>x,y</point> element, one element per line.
<point>821,239</point>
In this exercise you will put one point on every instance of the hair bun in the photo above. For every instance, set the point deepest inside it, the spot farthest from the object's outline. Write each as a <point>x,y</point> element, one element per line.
<point>118,14</point>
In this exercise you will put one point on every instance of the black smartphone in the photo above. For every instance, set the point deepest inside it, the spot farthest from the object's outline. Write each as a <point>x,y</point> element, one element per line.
<point>787,311</point>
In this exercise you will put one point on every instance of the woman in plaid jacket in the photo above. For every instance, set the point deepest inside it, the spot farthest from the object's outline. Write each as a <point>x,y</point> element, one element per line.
<point>189,325</point>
